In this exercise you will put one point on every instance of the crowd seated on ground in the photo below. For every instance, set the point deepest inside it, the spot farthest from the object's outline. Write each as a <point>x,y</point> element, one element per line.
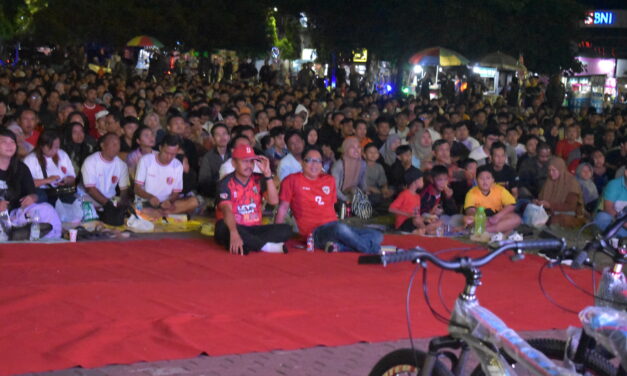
<point>188,144</point>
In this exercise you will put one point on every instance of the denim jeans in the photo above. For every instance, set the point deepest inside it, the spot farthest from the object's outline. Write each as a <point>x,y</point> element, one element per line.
<point>347,238</point>
<point>603,220</point>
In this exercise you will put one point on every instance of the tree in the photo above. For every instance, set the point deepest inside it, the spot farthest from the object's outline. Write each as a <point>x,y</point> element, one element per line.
<point>541,30</point>
<point>199,24</point>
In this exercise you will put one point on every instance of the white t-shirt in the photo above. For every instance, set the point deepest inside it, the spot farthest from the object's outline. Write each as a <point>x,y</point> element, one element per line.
<point>157,179</point>
<point>104,175</point>
<point>62,169</point>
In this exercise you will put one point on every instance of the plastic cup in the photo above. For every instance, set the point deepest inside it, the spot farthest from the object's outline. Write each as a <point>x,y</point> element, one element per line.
<point>73,233</point>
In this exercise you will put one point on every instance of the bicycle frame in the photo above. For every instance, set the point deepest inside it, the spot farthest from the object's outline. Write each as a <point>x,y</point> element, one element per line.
<point>486,334</point>
<point>606,321</point>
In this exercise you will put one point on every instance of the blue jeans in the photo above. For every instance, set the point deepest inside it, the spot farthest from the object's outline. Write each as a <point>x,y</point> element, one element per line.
<point>603,220</point>
<point>347,238</point>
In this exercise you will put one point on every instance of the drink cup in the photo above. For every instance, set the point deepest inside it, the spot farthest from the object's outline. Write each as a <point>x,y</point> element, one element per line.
<point>73,234</point>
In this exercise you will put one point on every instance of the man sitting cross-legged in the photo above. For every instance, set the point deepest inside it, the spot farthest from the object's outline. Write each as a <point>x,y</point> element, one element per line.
<point>159,181</point>
<point>104,171</point>
<point>239,206</point>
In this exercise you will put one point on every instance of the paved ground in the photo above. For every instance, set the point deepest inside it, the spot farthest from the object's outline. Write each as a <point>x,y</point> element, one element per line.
<point>352,360</point>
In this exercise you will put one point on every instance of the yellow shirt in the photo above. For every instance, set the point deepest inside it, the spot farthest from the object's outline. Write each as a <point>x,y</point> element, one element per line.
<point>498,198</point>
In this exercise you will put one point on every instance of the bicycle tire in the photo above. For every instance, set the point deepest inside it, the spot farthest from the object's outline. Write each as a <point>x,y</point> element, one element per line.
<point>403,362</point>
<point>554,349</point>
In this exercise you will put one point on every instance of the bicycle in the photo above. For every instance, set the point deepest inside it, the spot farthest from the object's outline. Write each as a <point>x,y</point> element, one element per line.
<point>472,328</point>
<point>610,307</point>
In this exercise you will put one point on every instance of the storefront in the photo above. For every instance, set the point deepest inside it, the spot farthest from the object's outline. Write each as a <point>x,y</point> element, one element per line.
<point>595,86</point>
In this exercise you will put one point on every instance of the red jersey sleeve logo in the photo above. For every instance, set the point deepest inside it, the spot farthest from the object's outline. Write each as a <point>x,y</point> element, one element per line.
<point>169,180</point>
<point>64,169</point>
<point>114,179</point>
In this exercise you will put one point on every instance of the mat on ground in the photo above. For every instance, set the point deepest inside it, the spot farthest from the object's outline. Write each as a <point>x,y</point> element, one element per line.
<point>92,304</point>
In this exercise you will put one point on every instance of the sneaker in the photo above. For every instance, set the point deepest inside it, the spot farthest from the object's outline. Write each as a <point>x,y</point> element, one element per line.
<point>497,237</point>
<point>515,236</point>
<point>388,249</point>
<point>272,247</point>
<point>330,247</point>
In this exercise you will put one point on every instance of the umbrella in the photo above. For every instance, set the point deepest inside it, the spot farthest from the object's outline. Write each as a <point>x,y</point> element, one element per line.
<point>438,56</point>
<point>501,61</point>
<point>144,41</point>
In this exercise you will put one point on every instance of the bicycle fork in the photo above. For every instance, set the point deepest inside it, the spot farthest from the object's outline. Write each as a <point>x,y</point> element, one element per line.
<point>444,346</point>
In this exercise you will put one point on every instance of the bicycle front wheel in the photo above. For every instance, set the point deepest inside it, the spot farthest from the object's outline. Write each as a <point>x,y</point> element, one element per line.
<point>554,349</point>
<point>406,362</point>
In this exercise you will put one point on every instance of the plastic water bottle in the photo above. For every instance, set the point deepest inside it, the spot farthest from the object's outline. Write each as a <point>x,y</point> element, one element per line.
<point>480,221</point>
<point>139,205</point>
<point>5,225</point>
<point>310,242</point>
<point>34,226</point>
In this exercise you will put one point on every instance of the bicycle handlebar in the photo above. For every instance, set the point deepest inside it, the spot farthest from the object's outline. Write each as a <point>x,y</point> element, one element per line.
<point>418,254</point>
<point>580,257</point>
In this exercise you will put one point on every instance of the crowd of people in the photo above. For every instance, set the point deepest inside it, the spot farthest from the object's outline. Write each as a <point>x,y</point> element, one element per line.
<point>181,145</point>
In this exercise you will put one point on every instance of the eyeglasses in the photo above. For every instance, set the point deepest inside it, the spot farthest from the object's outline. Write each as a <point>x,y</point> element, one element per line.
<point>313,160</point>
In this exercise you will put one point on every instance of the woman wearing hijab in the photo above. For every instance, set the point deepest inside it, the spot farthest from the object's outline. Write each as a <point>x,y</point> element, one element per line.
<point>588,188</point>
<point>388,150</point>
<point>350,170</point>
<point>76,144</point>
<point>561,196</point>
<point>421,147</point>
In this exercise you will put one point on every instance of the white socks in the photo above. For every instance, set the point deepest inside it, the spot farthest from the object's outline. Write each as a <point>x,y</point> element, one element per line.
<point>272,247</point>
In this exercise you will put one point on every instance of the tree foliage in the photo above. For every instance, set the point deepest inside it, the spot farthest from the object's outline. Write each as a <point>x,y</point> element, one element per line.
<point>541,30</point>
<point>202,24</point>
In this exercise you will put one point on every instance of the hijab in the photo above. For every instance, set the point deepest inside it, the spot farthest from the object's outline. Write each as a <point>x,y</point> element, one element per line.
<point>588,188</point>
<point>352,166</point>
<point>566,183</point>
<point>420,151</point>
<point>389,155</point>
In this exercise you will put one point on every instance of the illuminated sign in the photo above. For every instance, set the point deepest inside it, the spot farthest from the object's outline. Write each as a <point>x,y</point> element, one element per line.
<point>600,18</point>
<point>605,18</point>
<point>360,56</point>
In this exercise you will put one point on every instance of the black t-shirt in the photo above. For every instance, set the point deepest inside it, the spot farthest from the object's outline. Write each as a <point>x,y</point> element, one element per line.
<point>124,146</point>
<point>21,185</point>
<point>615,159</point>
<point>506,177</point>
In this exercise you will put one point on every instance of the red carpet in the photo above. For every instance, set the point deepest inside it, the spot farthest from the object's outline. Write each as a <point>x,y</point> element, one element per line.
<point>93,304</point>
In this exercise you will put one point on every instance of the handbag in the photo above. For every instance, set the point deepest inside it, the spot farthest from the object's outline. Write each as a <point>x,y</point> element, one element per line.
<point>361,206</point>
<point>535,216</point>
<point>113,215</point>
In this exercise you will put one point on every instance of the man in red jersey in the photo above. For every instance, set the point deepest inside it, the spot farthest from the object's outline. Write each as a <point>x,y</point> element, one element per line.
<point>239,207</point>
<point>311,195</point>
<point>91,108</point>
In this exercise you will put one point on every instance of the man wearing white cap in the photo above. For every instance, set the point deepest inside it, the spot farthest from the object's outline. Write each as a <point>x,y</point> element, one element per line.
<point>101,124</point>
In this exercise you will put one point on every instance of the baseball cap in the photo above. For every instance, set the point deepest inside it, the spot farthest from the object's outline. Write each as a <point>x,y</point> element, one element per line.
<point>412,175</point>
<point>101,114</point>
<point>244,152</point>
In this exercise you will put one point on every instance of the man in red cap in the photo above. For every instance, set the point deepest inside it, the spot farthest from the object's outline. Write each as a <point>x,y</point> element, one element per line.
<point>239,206</point>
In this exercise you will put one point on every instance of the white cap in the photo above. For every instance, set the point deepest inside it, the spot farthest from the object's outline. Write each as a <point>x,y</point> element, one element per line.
<point>101,114</point>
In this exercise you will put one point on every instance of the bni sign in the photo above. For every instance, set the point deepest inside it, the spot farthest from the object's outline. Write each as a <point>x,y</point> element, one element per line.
<point>600,18</point>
